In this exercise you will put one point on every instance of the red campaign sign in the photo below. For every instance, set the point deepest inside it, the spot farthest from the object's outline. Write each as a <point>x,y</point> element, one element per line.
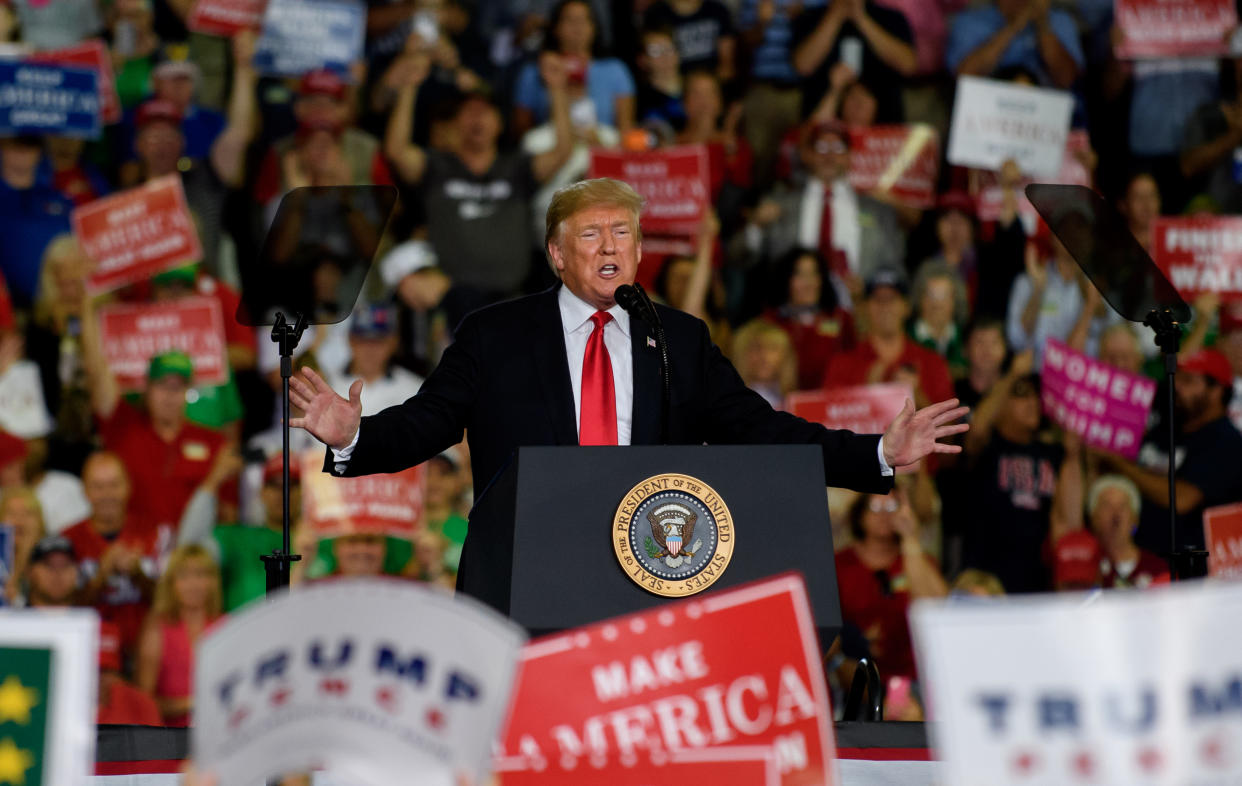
<point>863,409</point>
<point>1174,28</point>
<point>1222,527</point>
<point>1073,173</point>
<point>593,704</point>
<point>744,765</point>
<point>226,17</point>
<point>132,334</point>
<point>136,234</point>
<point>1200,254</point>
<point>92,54</point>
<point>902,160</point>
<point>372,504</point>
<point>673,181</point>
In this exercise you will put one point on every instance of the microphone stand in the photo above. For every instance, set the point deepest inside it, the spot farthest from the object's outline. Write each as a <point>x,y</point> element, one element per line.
<point>277,564</point>
<point>665,376</point>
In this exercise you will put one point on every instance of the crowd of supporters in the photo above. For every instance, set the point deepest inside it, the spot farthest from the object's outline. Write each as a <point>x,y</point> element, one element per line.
<point>154,506</point>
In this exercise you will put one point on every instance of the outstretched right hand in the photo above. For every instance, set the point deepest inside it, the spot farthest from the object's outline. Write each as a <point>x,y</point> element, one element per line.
<point>329,418</point>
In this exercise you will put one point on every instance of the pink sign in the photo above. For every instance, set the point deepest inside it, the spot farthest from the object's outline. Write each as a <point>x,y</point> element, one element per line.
<point>384,504</point>
<point>863,409</point>
<point>1222,528</point>
<point>135,234</point>
<point>1174,28</point>
<point>92,54</point>
<point>902,160</point>
<point>133,333</point>
<point>1104,405</point>
<point>633,693</point>
<point>226,17</point>
<point>1200,254</point>
<point>673,182</point>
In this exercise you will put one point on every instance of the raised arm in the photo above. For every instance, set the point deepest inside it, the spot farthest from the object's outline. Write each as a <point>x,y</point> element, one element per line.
<point>898,54</point>
<point>552,70</point>
<point>105,393</point>
<point>410,160</point>
<point>810,54</point>
<point>229,150</point>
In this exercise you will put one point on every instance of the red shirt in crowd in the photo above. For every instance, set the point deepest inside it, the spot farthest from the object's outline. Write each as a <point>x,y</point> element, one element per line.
<point>121,601</point>
<point>1150,569</point>
<point>126,704</point>
<point>816,341</point>
<point>163,475</point>
<point>878,609</point>
<point>853,367</point>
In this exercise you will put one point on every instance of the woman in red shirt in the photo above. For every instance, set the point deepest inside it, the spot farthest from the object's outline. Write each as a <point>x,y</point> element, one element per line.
<point>806,306</point>
<point>880,572</point>
<point>187,602</point>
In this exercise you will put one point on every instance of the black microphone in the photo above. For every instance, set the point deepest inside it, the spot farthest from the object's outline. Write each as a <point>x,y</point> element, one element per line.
<point>636,303</point>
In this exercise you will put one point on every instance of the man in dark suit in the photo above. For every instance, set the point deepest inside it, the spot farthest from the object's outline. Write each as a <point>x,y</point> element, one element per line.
<point>569,366</point>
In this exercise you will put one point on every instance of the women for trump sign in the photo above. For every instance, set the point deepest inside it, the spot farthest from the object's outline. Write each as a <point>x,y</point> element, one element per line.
<point>1104,405</point>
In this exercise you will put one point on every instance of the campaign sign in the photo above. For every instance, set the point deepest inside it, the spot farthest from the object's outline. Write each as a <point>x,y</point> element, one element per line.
<point>1128,688</point>
<point>92,54</point>
<point>225,17</point>
<point>1200,254</point>
<point>635,691</point>
<point>41,98</point>
<point>902,160</point>
<point>673,182</point>
<point>863,409</point>
<point>371,504</point>
<point>49,665</point>
<point>1222,528</point>
<point>134,333</point>
<point>991,200</point>
<point>1104,405</point>
<point>379,680</point>
<point>995,121</point>
<point>303,35</point>
<point>134,234</point>
<point>1174,28</point>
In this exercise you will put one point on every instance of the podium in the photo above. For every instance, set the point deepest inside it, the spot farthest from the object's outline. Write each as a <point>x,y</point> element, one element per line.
<point>540,546</point>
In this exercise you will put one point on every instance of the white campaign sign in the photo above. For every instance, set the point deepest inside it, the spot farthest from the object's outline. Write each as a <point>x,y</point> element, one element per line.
<point>1116,688</point>
<point>995,121</point>
<point>381,681</point>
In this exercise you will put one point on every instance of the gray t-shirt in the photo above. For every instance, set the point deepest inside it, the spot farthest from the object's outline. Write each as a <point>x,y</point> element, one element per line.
<point>479,224</point>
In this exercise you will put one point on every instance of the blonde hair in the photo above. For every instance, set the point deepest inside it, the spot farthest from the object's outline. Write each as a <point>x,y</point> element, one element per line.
<point>166,606</point>
<point>62,249</point>
<point>758,330</point>
<point>27,494</point>
<point>584,194</point>
<point>973,578</point>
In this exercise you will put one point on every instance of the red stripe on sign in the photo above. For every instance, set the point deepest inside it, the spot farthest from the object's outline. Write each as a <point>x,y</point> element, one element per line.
<point>886,754</point>
<point>152,767</point>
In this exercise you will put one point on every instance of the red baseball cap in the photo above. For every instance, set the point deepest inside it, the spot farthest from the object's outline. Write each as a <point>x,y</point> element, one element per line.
<point>1076,561</point>
<point>1210,363</point>
<point>156,110</point>
<point>109,647</point>
<point>273,469</point>
<point>322,82</point>
<point>11,449</point>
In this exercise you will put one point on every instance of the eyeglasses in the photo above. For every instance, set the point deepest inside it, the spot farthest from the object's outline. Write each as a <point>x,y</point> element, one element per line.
<point>883,505</point>
<point>826,146</point>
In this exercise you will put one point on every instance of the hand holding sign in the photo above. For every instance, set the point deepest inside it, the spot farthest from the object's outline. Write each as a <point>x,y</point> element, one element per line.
<point>329,418</point>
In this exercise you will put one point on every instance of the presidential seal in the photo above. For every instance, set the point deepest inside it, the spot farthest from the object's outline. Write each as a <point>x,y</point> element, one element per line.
<point>673,535</point>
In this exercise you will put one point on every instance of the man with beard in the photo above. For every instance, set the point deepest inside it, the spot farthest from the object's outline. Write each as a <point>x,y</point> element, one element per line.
<point>1208,446</point>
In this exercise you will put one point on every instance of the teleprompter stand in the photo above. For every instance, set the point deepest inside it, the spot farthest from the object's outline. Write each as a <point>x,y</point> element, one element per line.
<point>278,564</point>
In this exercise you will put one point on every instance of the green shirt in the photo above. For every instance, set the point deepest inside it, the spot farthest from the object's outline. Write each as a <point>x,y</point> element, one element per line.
<point>243,576</point>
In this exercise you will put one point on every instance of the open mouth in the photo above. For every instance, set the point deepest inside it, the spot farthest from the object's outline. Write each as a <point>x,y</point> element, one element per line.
<point>609,271</point>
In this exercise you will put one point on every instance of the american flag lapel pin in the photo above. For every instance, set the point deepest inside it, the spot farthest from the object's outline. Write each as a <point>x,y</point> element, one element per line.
<point>651,342</point>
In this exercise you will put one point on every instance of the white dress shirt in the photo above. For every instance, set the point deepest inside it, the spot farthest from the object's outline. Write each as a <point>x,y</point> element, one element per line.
<point>576,319</point>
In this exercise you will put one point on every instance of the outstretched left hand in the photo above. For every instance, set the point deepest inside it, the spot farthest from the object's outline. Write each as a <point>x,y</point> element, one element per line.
<point>914,434</point>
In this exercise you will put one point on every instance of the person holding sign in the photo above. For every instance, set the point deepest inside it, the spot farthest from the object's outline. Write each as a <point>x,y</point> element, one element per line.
<point>562,368</point>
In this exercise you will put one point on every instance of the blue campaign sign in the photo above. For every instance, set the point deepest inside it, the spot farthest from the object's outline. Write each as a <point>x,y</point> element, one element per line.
<point>37,98</point>
<point>302,35</point>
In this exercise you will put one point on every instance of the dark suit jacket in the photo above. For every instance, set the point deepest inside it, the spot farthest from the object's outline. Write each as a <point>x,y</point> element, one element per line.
<point>505,381</point>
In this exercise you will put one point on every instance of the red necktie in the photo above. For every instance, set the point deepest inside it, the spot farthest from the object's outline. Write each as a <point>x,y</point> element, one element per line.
<point>825,227</point>
<point>598,422</point>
